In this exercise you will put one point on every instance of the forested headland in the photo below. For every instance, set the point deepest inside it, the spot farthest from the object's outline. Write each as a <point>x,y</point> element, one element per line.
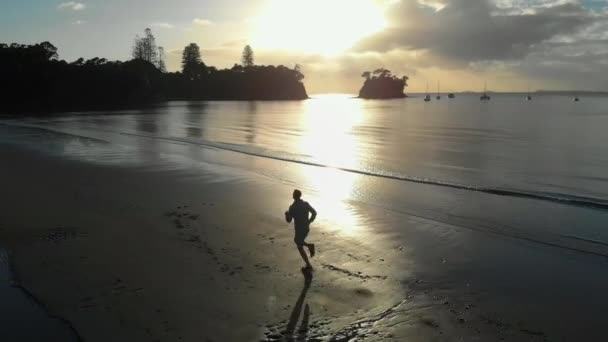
<point>382,84</point>
<point>35,79</point>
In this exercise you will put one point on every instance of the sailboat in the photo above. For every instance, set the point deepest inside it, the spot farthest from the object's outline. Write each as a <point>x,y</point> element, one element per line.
<point>427,98</point>
<point>438,96</point>
<point>529,97</point>
<point>485,96</point>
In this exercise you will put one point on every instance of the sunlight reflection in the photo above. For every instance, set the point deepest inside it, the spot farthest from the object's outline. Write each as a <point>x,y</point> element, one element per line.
<point>334,189</point>
<point>328,124</point>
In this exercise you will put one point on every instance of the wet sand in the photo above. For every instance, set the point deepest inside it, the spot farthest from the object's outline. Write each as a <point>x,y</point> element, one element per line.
<point>138,254</point>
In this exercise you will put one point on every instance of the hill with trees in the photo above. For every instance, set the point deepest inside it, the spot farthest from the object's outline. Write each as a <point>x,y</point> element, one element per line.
<point>35,79</point>
<point>245,81</point>
<point>382,84</point>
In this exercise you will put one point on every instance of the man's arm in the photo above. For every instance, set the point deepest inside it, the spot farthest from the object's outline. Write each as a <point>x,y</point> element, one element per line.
<point>288,216</point>
<point>313,212</point>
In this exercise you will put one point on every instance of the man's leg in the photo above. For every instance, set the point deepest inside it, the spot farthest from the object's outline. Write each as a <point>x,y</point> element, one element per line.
<point>303,255</point>
<point>311,248</point>
<point>301,235</point>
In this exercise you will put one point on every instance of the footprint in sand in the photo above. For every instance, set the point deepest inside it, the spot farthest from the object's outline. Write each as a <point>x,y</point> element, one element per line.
<point>353,274</point>
<point>363,292</point>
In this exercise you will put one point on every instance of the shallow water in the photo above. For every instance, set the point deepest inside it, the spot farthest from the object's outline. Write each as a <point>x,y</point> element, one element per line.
<point>550,145</point>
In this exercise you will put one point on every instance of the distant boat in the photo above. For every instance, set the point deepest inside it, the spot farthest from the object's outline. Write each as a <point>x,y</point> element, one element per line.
<point>438,97</point>
<point>427,98</point>
<point>576,99</point>
<point>451,96</point>
<point>485,96</point>
<point>529,97</point>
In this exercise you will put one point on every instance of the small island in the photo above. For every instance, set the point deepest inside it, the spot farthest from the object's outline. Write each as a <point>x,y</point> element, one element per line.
<point>36,80</point>
<point>382,84</point>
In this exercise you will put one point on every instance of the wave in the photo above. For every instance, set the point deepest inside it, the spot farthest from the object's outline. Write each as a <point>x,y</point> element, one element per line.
<point>555,197</point>
<point>561,198</point>
<point>571,242</point>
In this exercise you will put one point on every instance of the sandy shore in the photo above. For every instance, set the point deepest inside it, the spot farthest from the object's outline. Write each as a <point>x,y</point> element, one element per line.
<point>140,257</point>
<point>137,254</point>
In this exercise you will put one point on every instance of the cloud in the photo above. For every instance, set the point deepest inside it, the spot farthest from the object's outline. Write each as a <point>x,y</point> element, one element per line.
<point>511,44</point>
<point>558,43</point>
<point>163,25</point>
<point>202,22</point>
<point>72,5</point>
<point>471,31</point>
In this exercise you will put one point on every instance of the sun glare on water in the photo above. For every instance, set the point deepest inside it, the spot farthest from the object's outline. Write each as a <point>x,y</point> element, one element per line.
<point>325,27</point>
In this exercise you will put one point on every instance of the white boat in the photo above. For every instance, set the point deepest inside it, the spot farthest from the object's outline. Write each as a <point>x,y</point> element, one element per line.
<point>438,97</point>
<point>427,98</point>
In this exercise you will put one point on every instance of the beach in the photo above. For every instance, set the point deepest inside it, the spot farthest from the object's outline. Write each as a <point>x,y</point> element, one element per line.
<point>174,242</point>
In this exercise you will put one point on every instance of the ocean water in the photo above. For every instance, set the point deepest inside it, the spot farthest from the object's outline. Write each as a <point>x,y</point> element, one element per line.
<point>535,170</point>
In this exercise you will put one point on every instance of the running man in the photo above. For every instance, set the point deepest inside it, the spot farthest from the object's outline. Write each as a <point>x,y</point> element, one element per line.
<point>299,211</point>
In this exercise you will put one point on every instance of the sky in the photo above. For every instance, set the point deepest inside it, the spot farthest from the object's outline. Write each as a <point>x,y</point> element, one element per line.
<point>511,45</point>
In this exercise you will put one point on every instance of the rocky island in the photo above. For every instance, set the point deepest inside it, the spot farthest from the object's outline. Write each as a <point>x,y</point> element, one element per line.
<point>382,84</point>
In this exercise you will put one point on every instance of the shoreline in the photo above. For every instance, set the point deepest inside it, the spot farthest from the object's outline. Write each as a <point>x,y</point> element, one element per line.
<point>25,308</point>
<point>37,111</point>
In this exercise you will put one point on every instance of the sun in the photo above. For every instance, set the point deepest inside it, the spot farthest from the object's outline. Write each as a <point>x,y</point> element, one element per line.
<point>326,27</point>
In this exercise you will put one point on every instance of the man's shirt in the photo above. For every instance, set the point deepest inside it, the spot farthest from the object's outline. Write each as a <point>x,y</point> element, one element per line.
<point>299,211</point>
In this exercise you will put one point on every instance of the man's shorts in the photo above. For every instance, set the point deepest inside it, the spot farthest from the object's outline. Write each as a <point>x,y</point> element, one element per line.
<point>301,234</point>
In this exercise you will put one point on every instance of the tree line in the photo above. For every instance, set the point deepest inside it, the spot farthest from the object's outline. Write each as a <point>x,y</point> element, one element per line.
<point>245,81</point>
<point>35,79</point>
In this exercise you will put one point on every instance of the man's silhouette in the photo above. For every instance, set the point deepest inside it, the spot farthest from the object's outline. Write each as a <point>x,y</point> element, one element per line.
<point>299,211</point>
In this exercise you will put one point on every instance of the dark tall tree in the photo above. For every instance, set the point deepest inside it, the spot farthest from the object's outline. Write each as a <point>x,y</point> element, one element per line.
<point>192,65</point>
<point>298,73</point>
<point>247,59</point>
<point>49,50</point>
<point>161,59</point>
<point>145,48</point>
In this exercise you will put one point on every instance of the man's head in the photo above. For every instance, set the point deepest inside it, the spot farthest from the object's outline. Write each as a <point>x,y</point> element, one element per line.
<point>297,194</point>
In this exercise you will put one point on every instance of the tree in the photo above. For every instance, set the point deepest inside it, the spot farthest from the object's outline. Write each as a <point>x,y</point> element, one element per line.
<point>161,59</point>
<point>192,64</point>
<point>247,58</point>
<point>145,48</point>
<point>50,51</point>
<point>299,76</point>
<point>382,73</point>
<point>78,62</point>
